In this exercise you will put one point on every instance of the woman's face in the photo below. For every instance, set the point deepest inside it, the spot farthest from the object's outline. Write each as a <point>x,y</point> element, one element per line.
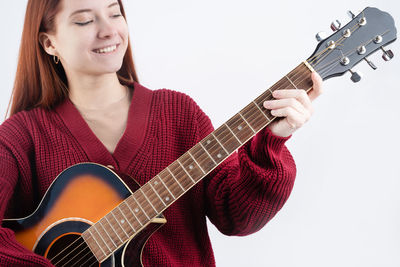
<point>91,36</point>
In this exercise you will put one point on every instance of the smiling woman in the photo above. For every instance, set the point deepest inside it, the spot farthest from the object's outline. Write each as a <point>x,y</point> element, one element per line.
<point>39,82</point>
<point>76,100</point>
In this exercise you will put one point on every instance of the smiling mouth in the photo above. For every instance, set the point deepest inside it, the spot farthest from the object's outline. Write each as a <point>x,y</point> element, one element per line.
<point>105,50</point>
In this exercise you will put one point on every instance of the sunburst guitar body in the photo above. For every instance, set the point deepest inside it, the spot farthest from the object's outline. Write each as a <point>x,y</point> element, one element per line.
<point>79,197</point>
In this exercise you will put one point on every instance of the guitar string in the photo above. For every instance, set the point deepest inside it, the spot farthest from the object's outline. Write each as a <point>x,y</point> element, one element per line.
<point>336,60</point>
<point>277,84</point>
<point>336,43</point>
<point>233,137</point>
<point>92,257</point>
<point>64,250</point>
<point>74,255</point>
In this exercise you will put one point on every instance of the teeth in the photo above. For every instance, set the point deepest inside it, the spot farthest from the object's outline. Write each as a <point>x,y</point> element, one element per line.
<point>106,50</point>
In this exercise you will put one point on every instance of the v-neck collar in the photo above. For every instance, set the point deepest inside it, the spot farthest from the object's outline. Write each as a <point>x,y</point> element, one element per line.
<point>131,139</point>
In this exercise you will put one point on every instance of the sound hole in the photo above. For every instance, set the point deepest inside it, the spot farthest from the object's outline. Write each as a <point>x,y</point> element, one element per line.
<point>71,250</point>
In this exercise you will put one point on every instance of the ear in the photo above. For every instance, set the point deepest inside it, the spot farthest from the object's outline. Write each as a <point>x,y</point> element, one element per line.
<point>47,43</point>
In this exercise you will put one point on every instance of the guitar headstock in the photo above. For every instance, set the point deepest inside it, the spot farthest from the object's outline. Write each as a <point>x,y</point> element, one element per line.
<point>366,33</point>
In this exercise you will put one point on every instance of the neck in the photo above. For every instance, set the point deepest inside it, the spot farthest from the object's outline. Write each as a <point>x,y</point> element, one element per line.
<point>96,92</point>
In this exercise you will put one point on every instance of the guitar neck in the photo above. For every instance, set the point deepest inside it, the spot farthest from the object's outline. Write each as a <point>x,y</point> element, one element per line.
<point>134,213</point>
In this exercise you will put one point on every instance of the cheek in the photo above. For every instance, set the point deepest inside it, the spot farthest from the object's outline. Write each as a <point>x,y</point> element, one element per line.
<point>74,47</point>
<point>124,31</point>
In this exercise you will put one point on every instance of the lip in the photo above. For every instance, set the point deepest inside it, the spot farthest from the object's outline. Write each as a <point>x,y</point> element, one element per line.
<point>117,46</point>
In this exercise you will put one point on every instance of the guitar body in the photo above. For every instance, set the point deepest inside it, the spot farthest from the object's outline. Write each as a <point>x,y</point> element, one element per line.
<point>79,197</point>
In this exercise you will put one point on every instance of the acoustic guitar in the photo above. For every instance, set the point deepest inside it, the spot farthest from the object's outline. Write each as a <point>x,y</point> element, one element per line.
<point>89,216</point>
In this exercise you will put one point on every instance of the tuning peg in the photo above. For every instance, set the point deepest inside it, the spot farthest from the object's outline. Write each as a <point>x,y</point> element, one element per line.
<point>387,54</point>
<point>370,63</point>
<point>335,25</point>
<point>355,76</point>
<point>351,14</point>
<point>321,36</point>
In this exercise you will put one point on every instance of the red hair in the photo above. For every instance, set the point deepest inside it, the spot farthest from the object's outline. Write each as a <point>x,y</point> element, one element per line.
<point>38,81</point>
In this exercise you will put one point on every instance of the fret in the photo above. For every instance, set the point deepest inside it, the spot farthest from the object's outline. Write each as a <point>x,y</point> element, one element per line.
<point>247,122</point>
<point>214,148</point>
<point>262,112</point>
<point>104,230</point>
<point>102,226</point>
<point>173,176</point>
<point>186,171</point>
<point>89,231</point>
<point>159,187</point>
<point>234,135</point>
<point>253,117</point>
<point>141,207</point>
<point>123,222</point>
<point>95,239</point>
<point>132,218</point>
<point>291,82</point>
<point>144,202</point>
<point>301,77</point>
<point>159,177</point>
<point>240,129</point>
<point>203,157</point>
<point>137,219</point>
<point>148,200</point>
<point>113,228</point>
<point>87,237</point>
<point>196,162</point>
<point>125,218</point>
<point>220,144</point>
<point>267,95</point>
<point>181,175</point>
<point>208,153</point>
<point>227,138</point>
<point>157,194</point>
<point>119,225</point>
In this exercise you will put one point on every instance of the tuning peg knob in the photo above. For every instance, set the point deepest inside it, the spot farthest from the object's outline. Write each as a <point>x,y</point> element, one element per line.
<point>387,54</point>
<point>335,25</point>
<point>351,14</point>
<point>321,36</point>
<point>355,76</point>
<point>370,63</point>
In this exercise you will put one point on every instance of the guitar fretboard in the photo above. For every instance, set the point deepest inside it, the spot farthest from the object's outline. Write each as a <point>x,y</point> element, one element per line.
<point>137,211</point>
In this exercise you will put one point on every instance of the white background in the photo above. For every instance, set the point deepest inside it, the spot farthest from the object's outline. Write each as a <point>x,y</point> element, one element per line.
<point>345,207</point>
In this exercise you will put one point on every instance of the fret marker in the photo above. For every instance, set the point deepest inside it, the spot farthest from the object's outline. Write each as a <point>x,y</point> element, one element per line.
<point>155,183</point>
<point>191,167</point>
<point>122,221</point>
<point>240,127</point>
<point>167,198</point>
<point>208,142</point>
<point>136,210</point>
<point>219,155</point>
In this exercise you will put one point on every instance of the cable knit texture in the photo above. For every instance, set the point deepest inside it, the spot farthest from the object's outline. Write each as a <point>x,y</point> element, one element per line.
<point>239,197</point>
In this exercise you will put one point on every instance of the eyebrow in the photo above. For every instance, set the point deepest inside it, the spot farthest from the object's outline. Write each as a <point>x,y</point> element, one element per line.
<point>89,10</point>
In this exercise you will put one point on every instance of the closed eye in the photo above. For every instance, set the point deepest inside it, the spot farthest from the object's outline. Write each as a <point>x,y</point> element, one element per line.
<point>83,23</point>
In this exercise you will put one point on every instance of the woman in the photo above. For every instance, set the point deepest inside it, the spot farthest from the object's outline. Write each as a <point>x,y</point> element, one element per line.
<point>77,99</point>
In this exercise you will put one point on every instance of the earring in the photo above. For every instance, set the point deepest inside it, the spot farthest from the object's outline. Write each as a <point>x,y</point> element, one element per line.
<point>56,59</point>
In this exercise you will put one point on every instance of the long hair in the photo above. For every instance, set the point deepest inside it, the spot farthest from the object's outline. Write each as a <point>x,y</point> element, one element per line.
<point>39,82</point>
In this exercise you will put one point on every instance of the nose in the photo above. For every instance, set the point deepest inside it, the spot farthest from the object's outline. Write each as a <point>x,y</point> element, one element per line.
<point>106,29</point>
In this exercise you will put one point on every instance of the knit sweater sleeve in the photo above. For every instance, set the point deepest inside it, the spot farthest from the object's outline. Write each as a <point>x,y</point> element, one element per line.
<point>14,162</point>
<point>246,191</point>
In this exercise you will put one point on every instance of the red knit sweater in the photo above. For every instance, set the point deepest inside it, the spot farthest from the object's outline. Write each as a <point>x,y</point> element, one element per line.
<point>239,197</point>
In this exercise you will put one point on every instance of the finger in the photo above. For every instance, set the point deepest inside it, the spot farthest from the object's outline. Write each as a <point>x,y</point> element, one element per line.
<point>317,86</point>
<point>286,102</point>
<point>293,117</point>
<point>299,95</point>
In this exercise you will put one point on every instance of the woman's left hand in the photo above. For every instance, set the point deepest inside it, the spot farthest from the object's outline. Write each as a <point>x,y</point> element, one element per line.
<point>294,106</point>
